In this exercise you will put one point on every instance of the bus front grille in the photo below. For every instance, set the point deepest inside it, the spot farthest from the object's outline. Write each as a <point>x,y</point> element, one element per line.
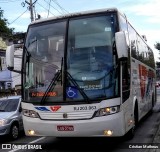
<point>66,116</point>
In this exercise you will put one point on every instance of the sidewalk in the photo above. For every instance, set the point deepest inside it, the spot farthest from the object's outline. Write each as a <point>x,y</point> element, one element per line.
<point>156,139</point>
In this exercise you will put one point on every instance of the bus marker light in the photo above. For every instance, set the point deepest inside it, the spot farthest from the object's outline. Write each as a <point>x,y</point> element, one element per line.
<point>31,132</point>
<point>108,132</point>
<point>130,122</point>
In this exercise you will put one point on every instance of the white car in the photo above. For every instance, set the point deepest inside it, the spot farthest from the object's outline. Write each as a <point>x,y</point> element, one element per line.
<point>10,116</point>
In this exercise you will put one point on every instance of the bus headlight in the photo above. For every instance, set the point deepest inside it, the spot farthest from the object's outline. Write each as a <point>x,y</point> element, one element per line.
<point>107,111</point>
<point>30,113</point>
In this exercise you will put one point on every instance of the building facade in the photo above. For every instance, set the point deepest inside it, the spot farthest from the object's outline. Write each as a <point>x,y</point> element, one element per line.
<point>5,74</point>
<point>9,80</point>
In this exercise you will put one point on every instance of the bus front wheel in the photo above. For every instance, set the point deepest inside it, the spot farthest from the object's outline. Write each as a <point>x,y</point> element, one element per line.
<point>131,132</point>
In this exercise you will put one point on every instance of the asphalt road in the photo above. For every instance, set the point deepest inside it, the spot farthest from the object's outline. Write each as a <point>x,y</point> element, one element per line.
<point>144,135</point>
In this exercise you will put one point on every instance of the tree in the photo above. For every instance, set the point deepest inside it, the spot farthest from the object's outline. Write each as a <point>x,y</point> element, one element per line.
<point>8,33</point>
<point>157,46</point>
<point>5,31</point>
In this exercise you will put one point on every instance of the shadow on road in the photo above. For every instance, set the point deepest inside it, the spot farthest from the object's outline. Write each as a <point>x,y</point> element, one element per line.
<point>6,139</point>
<point>84,144</point>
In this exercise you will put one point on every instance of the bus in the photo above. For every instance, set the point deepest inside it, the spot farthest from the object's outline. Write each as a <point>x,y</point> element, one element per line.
<point>86,74</point>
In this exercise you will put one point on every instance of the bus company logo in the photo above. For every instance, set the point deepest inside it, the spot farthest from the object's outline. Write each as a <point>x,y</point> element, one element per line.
<point>55,108</point>
<point>42,108</point>
<point>51,109</point>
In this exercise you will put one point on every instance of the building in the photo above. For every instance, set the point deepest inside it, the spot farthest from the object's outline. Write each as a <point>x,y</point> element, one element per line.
<point>9,80</point>
<point>16,77</point>
<point>5,74</point>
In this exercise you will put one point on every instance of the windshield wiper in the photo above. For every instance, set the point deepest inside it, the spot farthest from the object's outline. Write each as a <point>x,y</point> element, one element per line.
<point>32,42</point>
<point>58,76</point>
<point>79,89</point>
<point>52,85</point>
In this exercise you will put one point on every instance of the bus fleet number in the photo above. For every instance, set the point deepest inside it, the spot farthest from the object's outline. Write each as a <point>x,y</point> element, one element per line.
<point>81,108</point>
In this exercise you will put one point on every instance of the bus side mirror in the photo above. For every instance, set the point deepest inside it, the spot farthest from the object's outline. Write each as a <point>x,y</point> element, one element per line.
<point>121,45</point>
<point>10,57</point>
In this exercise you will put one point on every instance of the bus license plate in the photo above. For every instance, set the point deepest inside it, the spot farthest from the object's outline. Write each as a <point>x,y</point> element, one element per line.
<point>65,128</point>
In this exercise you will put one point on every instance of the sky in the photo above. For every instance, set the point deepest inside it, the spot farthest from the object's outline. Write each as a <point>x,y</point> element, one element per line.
<point>144,15</point>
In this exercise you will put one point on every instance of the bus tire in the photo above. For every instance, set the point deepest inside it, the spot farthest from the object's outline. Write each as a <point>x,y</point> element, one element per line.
<point>131,132</point>
<point>136,115</point>
<point>153,103</point>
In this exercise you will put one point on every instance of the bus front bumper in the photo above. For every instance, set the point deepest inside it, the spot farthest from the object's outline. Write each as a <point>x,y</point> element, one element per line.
<point>98,126</point>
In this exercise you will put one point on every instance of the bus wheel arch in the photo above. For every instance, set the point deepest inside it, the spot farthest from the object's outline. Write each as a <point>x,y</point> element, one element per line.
<point>131,132</point>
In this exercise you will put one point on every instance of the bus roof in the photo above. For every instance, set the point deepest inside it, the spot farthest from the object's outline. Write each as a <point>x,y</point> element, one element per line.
<point>75,14</point>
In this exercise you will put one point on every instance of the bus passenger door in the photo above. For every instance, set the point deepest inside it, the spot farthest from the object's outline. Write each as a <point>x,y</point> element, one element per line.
<point>125,81</point>
<point>127,103</point>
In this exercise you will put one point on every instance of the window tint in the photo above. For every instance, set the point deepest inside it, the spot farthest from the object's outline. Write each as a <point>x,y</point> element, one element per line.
<point>45,42</point>
<point>123,23</point>
<point>90,58</point>
<point>139,49</point>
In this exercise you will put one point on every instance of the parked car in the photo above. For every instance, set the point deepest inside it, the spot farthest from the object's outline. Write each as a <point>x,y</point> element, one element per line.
<point>11,116</point>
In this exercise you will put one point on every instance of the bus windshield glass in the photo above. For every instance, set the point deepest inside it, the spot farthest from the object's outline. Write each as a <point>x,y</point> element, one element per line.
<point>83,69</point>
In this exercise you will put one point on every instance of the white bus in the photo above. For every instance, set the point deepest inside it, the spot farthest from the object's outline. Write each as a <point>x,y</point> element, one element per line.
<point>86,74</point>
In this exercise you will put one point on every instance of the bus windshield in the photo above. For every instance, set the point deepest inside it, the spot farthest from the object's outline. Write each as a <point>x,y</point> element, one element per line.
<point>71,63</point>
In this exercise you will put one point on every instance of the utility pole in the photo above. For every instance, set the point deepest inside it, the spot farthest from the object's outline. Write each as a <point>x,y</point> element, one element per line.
<point>31,10</point>
<point>31,5</point>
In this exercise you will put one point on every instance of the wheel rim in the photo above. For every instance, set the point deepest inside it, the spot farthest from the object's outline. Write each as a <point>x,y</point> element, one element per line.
<point>14,132</point>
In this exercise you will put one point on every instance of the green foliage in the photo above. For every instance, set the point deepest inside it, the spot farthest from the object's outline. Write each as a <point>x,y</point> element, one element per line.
<point>157,46</point>
<point>8,33</point>
<point>5,31</point>
<point>18,36</point>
